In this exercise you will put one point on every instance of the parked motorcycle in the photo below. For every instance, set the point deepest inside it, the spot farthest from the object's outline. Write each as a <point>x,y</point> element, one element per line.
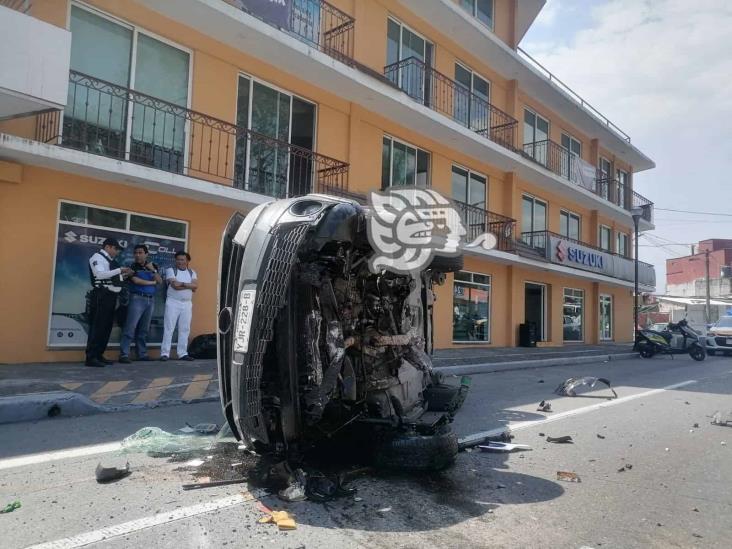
<point>676,339</point>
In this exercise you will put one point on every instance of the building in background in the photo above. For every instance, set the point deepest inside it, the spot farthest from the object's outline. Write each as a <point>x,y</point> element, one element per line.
<point>686,276</point>
<point>153,121</point>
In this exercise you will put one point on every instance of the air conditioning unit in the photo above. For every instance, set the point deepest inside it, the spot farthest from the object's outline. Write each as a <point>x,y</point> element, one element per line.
<point>726,271</point>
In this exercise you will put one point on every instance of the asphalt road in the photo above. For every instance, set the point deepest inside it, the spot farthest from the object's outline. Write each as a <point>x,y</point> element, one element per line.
<point>675,495</point>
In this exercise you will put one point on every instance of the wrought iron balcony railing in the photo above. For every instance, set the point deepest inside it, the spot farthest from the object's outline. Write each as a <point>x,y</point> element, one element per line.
<point>315,22</point>
<point>22,6</point>
<point>117,122</point>
<point>438,92</point>
<point>479,221</point>
<point>565,164</point>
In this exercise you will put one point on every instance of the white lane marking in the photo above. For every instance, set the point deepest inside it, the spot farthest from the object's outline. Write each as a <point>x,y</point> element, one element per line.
<point>569,413</point>
<point>159,519</point>
<point>81,451</point>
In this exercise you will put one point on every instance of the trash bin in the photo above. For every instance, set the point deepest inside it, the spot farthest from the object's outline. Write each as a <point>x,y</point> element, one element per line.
<point>527,334</point>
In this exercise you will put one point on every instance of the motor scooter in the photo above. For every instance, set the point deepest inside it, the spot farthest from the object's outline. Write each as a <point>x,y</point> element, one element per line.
<point>677,338</point>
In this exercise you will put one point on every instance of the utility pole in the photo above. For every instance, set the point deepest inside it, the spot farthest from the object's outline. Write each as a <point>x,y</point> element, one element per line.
<point>707,309</point>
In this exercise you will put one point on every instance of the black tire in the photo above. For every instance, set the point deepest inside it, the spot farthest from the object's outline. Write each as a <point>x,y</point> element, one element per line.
<point>646,351</point>
<point>697,353</point>
<point>413,452</point>
<point>445,264</point>
<point>711,352</point>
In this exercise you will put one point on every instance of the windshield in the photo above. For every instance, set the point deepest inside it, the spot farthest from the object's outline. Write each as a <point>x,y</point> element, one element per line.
<point>725,322</point>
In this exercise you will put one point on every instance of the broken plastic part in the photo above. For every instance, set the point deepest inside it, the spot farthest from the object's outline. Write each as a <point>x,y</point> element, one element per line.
<point>560,440</point>
<point>10,507</point>
<point>110,474</point>
<point>724,419</point>
<point>567,387</point>
<point>282,519</point>
<point>503,447</point>
<point>568,476</point>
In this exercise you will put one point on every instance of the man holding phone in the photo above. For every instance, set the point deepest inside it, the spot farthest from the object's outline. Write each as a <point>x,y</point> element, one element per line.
<point>142,285</point>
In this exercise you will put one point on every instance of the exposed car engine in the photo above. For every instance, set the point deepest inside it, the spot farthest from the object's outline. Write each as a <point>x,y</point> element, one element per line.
<point>312,343</point>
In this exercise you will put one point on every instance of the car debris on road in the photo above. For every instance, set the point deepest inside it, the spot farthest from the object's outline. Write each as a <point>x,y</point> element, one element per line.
<point>503,447</point>
<point>544,406</point>
<point>10,507</point>
<point>560,440</point>
<point>567,476</point>
<point>567,388</point>
<point>110,474</point>
<point>283,520</point>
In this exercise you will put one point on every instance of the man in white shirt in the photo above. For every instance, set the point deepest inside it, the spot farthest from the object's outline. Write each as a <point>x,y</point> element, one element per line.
<point>182,281</point>
<point>106,279</point>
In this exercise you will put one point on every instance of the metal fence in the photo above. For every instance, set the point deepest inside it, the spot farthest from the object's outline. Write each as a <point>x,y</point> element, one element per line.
<point>319,24</point>
<point>478,221</point>
<point>22,6</point>
<point>117,122</point>
<point>442,94</point>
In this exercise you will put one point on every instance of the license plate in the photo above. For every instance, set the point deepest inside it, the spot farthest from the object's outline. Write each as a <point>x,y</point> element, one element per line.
<point>244,321</point>
<point>729,341</point>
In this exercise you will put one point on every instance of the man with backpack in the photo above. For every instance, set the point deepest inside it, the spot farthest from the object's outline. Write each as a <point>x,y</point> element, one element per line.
<point>182,281</point>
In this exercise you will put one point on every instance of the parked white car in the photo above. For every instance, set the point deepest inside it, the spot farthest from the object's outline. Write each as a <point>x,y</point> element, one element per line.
<point>719,337</point>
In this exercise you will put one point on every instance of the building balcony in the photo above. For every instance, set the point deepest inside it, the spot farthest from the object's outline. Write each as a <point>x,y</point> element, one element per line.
<point>438,92</point>
<point>561,162</point>
<point>122,124</point>
<point>561,250</point>
<point>34,63</point>
<point>315,22</point>
<point>479,221</point>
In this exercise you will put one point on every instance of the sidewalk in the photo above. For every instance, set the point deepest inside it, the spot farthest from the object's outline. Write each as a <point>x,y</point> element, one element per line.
<point>159,383</point>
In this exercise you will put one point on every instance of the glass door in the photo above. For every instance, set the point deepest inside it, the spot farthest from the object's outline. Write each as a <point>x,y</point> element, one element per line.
<point>605,175</point>
<point>265,163</point>
<point>413,78</point>
<point>471,100</point>
<point>535,307</point>
<point>572,151</point>
<point>536,135</point>
<point>533,223</point>
<point>606,317</point>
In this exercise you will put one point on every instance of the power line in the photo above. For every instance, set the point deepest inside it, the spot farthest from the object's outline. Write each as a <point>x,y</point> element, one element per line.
<point>693,212</point>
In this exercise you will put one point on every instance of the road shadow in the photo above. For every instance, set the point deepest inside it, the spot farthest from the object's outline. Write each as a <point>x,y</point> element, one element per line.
<point>393,501</point>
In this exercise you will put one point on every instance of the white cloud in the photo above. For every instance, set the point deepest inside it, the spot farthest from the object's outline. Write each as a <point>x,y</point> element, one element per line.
<point>662,71</point>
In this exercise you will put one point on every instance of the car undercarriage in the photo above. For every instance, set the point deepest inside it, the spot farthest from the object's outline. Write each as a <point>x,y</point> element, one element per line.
<point>314,346</point>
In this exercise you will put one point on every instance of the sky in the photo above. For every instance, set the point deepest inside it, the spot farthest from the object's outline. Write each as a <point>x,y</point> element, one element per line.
<point>661,70</point>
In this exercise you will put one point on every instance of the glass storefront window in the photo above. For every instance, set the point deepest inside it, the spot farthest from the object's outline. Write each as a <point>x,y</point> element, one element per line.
<point>573,314</point>
<point>471,307</point>
<point>606,317</point>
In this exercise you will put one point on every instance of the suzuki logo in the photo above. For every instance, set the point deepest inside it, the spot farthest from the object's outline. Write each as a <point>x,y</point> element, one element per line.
<point>561,251</point>
<point>70,236</point>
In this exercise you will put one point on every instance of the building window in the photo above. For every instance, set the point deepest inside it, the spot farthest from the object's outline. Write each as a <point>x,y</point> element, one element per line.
<point>533,221</point>
<point>471,100</point>
<point>605,175</point>
<point>536,135</point>
<point>471,307</point>
<point>403,164</point>
<point>623,247</point>
<point>97,118</point>
<point>606,317</point>
<point>403,43</point>
<point>468,187</point>
<point>569,225</point>
<point>573,150</point>
<point>573,314</point>
<point>264,167</point>
<point>81,229</point>
<point>622,182</point>
<point>605,235</point>
<point>482,10</point>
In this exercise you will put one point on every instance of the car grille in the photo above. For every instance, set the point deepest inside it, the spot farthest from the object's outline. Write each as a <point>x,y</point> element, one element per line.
<point>271,295</point>
<point>723,341</point>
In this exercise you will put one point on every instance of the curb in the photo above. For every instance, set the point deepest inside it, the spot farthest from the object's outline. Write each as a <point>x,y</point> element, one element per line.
<point>38,406</point>
<point>493,367</point>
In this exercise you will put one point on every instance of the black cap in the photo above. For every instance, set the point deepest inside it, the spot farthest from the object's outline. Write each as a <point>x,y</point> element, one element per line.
<point>111,242</point>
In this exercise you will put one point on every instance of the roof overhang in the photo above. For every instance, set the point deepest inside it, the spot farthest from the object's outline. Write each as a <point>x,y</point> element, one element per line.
<point>526,13</point>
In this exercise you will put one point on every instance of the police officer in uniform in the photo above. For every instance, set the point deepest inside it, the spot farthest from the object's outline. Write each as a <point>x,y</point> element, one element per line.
<point>106,278</point>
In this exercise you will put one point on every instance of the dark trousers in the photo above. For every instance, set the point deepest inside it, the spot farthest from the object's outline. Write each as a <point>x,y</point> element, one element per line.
<point>101,318</point>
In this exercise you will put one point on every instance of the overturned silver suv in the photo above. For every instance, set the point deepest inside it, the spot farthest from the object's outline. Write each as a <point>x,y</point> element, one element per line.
<point>314,346</point>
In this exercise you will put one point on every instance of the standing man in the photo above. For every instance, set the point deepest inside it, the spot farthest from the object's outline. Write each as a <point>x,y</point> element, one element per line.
<point>106,280</point>
<point>145,278</point>
<point>182,282</point>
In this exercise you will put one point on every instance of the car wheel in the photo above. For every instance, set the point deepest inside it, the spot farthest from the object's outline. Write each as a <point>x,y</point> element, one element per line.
<point>445,264</point>
<point>711,352</point>
<point>414,452</point>
<point>697,353</point>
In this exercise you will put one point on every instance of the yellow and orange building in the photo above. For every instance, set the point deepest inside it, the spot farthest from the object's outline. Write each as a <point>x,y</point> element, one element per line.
<point>153,121</point>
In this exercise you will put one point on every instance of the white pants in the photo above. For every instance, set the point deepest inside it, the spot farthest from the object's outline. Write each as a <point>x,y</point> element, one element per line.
<point>176,312</point>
